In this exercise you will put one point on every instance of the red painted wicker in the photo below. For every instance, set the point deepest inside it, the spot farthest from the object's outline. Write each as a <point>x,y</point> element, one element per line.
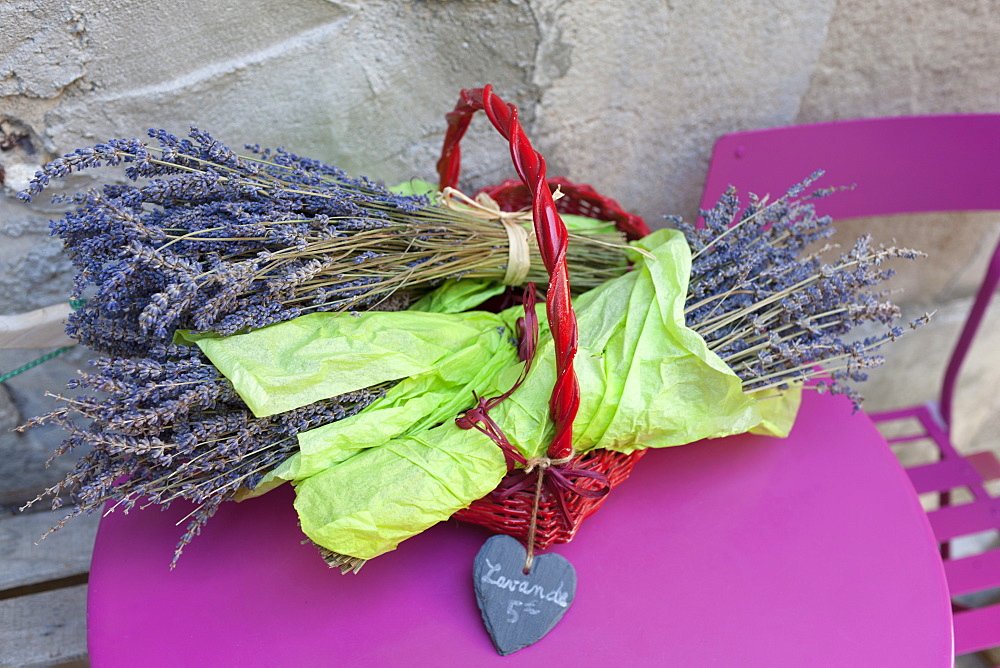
<point>511,514</point>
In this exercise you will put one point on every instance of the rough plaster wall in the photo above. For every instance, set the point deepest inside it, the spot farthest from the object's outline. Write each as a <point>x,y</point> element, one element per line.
<point>362,85</point>
<point>628,96</point>
<point>903,57</point>
<point>633,100</point>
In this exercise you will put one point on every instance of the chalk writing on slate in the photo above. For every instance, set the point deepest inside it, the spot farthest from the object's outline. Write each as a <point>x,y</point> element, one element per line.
<point>519,609</point>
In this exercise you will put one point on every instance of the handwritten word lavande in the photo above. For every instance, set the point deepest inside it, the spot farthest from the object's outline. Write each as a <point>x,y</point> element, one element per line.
<point>557,595</point>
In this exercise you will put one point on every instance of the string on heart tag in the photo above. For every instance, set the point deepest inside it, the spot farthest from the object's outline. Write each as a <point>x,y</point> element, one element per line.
<point>542,464</point>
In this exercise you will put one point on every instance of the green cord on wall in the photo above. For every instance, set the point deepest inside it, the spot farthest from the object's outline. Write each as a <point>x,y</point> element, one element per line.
<point>76,304</point>
<point>44,358</point>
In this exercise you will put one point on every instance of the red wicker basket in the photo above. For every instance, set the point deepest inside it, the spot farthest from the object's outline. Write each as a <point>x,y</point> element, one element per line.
<point>559,513</point>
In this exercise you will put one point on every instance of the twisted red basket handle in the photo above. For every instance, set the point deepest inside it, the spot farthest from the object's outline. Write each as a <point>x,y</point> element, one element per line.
<point>553,240</point>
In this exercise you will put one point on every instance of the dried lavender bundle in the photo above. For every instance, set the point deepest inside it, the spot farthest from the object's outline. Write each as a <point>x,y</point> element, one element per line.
<point>210,240</point>
<point>772,310</point>
<point>168,426</point>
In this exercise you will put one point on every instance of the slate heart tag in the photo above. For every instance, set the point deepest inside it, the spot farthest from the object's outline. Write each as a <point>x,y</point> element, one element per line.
<point>520,609</point>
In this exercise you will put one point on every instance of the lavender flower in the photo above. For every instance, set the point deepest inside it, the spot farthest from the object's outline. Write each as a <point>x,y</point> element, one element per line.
<point>774,312</point>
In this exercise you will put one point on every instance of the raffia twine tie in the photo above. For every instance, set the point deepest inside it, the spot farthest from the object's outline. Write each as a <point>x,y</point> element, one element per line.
<point>486,208</point>
<point>542,464</point>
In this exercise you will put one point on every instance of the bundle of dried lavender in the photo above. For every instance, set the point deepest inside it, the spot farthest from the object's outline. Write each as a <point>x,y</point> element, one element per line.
<point>169,426</point>
<point>210,240</point>
<point>776,313</point>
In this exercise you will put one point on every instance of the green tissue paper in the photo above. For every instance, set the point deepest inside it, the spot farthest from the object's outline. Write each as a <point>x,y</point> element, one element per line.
<point>365,483</point>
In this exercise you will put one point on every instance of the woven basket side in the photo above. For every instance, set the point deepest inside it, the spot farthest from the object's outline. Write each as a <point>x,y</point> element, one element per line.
<point>512,515</point>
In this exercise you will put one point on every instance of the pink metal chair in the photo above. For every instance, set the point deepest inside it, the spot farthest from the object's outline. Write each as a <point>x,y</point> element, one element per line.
<point>904,165</point>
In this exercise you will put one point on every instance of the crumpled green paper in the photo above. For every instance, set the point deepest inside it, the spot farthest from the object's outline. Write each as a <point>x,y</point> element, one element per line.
<point>458,295</point>
<point>321,355</point>
<point>370,502</point>
<point>367,482</point>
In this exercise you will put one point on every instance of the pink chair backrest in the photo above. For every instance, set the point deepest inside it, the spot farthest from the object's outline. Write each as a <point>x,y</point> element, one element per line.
<point>898,165</point>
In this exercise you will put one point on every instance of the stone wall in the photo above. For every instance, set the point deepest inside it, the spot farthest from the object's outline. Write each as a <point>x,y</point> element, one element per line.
<point>628,96</point>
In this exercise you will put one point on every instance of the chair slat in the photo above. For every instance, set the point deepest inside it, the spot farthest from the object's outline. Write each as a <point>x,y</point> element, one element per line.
<point>953,521</point>
<point>969,575</point>
<point>943,475</point>
<point>975,630</point>
<point>986,464</point>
